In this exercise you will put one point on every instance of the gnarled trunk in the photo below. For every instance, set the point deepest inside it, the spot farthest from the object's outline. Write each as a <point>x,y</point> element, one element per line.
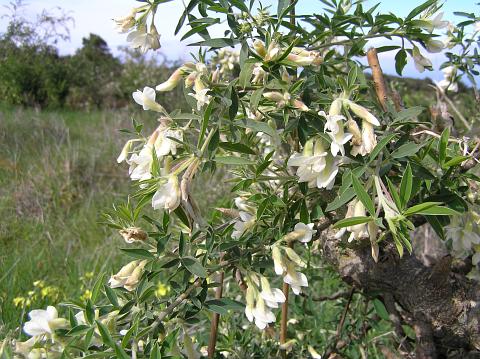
<point>442,306</point>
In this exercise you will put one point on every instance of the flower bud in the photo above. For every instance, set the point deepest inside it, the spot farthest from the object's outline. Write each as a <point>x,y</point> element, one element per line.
<point>172,81</point>
<point>259,47</point>
<point>362,112</point>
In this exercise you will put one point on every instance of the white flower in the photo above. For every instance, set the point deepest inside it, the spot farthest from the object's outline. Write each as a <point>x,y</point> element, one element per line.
<point>168,196</point>
<point>144,40</point>
<point>128,276</point>
<point>358,231</point>
<point>447,85</point>
<point>250,299</point>
<point>326,178</point>
<point>125,151</point>
<point>44,322</point>
<point>278,261</point>
<point>421,62</point>
<point>146,98</point>
<point>315,166</point>
<point>245,222</point>
<point>201,97</point>
<point>259,74</point>
<point>126,23</point>
<point>313,352</point>
<point>271,296</point>
<point>302,57</point>
<point>262,314</point>
<point>165,144</point>
<point>476,26</point>
<point>435,23</point>
<point>273,52</point>
<point>172,81</point>
<point>297,280</point>
<point>334,128</point>
<point>434,46</point>
<point>368,140</point>
<point>141,163</point>
<point>304,231</point>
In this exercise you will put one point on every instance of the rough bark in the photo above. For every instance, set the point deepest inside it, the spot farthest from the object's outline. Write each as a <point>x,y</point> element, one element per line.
<point>443,307</point>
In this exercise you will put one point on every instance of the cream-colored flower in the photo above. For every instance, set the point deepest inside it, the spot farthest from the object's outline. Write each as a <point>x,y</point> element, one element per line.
<point>245,222</point>
<point>297,280</point>
<point>262,314</point>
<point>304,232</point>
<point>272,296</point>
<point>278,261</point>
<point>165,142</point>
<point>128,276</point>
<point>44,322</point>
<point>334,127</point>
<point>146,98</point>
<point>435,23</point>
<point>126,23</point>
<point>361,112</point>
<point>172,81</point>
<point>168,196</point>
<point>421,62</point>
<point>434,46</point>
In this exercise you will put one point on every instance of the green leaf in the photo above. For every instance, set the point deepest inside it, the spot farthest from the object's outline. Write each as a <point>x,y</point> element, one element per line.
<point>405,150</point>
<point>394,193</point>
<point>363,196</point>
<point>380,309</point>
<point>223,305</point>
<point>246,74</point>
<point>438,211</point>
<point>120,353</point>
<point>111,295</point>
<point>420,207</point>
<point>237,147</point>
<point>105,334</point>
<point>380,145</point>
<point>194,266</point>
<point>217,43</point>
<point>442,146</point>
<point>345,197</point>
<point>96,287</point>
<point>230,160</point>
<point>138,253</point>
<point>406,186</point>
<point>455,161</point>
<point>205,121</point>
<point>420,8</point>
<point>400,61</point>
<point>408,114</point>
<point>351,221</point>
<point>194,31</point>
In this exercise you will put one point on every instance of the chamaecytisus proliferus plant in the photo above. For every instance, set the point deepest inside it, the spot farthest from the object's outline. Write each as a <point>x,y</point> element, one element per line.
<point>326,167</point>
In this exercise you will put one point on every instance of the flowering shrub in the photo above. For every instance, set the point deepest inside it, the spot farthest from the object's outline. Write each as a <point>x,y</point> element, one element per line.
<point>322,165</point>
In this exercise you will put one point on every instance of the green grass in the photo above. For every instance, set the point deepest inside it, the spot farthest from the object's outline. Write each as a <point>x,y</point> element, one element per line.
<point>57,174</point>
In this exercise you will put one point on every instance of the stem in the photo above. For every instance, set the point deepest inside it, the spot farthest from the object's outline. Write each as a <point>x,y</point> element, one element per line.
<point>284,318</point>
<point>175,303</point>
<point>366,37</point>
<point>378,79</point>
<point>216,317</point>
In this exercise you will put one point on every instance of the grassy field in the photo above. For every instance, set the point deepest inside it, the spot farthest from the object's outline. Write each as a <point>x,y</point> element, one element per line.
<point>57,174</point>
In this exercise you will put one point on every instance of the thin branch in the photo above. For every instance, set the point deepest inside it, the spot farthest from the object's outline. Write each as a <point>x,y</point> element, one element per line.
<point>216,318</point>
<point>284,318</point>
<point>334,296</point>
<point>163,314</point>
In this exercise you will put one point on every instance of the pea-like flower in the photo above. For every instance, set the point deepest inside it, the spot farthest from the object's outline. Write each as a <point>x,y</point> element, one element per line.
<point>44,322</point>
<point>143,40</point>
<point>262,314</point>
<point>126,23</point>
<point>272,296</point>
<point>168,196</point>
<point>297,280</point>
<point>421,62</point>
<point>128,276</point>
<point>146,98</point>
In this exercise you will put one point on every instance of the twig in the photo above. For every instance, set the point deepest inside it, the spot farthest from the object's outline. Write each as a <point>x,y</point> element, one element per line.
<point>334,296</point>
<point>378,79</point>
<point>216,317</point>
<point>176,303</point>
<point>284,318</point>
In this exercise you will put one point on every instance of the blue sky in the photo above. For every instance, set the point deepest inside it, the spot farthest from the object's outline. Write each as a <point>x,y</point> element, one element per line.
<point>95,17</point>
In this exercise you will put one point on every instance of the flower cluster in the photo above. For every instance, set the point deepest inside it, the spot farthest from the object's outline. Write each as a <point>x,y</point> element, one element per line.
<point>140,36</point>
